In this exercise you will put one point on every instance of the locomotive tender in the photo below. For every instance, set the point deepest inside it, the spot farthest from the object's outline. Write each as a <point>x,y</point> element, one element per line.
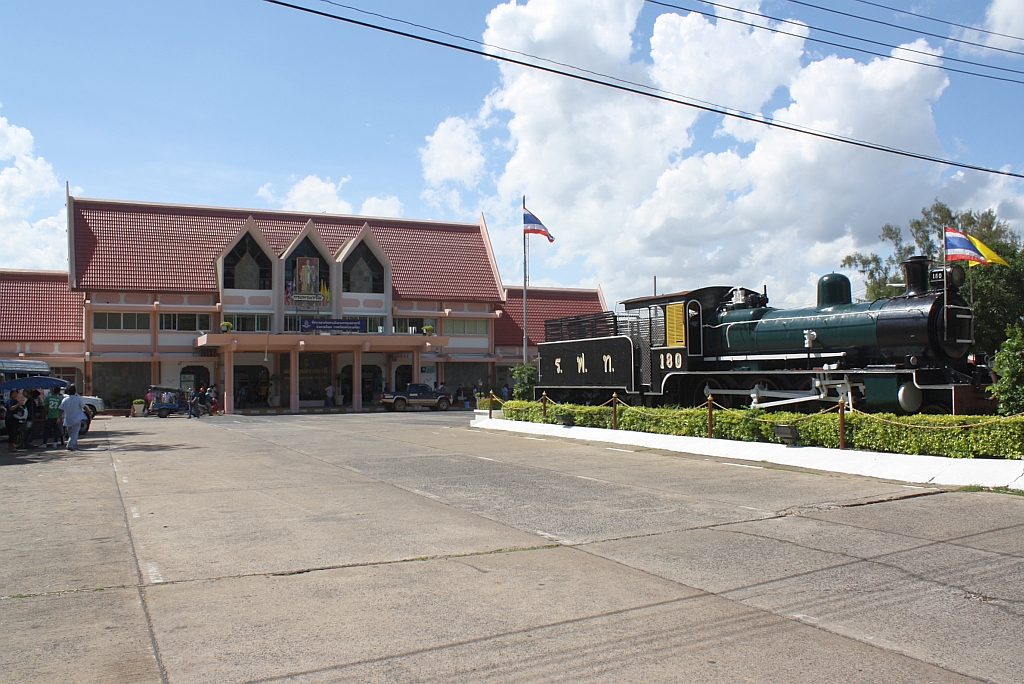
<point>905,354</point>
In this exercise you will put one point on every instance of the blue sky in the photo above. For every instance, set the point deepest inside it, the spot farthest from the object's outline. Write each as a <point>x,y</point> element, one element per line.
<point>242,103</point>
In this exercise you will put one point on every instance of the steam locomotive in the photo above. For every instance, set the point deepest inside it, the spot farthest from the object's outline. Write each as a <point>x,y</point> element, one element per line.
<point>905,354</point>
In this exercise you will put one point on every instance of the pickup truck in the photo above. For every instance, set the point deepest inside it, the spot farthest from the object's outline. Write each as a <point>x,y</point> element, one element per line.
<point>417,394</point>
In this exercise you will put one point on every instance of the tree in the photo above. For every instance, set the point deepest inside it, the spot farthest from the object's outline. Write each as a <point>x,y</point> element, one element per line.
<point>998,291</point>
<point>1009,389</point>
<point>525,376</point>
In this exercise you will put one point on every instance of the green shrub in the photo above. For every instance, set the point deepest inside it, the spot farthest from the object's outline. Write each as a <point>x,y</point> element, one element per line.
<point>1009,363</point>
<point>995,438</point>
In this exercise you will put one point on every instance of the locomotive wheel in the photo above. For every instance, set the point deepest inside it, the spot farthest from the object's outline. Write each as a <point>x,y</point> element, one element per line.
<point>936,409</point>
<point>698,393</point>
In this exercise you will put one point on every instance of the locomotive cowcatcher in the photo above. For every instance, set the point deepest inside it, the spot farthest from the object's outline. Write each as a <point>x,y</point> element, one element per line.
<point>905,354</point>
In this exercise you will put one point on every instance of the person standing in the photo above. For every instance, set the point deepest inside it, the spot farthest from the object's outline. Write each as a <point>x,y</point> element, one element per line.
<point>53,401</point>
<point>72,412</point>
<point>11,420</point>
<point>329,393</point>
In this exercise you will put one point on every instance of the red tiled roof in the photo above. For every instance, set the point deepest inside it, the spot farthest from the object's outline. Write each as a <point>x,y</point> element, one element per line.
<point>542,304</point>
<point>128,246</point>
<point>37,306</point>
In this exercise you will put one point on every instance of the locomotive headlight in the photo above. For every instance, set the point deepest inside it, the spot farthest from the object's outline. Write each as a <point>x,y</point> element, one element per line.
<point>957,276</point>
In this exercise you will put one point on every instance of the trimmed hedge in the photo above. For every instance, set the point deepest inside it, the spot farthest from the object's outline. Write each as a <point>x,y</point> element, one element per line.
<point>904,434</point>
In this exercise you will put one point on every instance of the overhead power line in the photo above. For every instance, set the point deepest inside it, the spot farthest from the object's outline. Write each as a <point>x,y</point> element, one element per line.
<point>939,21</point>
<point>834,33</point>
<point>902,28</point>
<point>714,109</point>
<point>718,17</point>
<point>567,66</point>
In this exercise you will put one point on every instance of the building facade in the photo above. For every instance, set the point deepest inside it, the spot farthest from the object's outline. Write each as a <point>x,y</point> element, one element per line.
<point>273,305</point>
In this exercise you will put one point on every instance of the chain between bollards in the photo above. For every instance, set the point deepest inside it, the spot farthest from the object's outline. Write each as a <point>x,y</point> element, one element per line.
<point>615,410</point>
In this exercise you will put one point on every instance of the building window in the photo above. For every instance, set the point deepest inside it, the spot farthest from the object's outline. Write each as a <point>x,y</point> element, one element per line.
<point>412,326</point>
<point>465,326</point>
<point>120,321</point>
<point>362,272</point>
<point>68,374</point>
<point>248,322</point>
<point>247,267</point>
<point>185,322</point>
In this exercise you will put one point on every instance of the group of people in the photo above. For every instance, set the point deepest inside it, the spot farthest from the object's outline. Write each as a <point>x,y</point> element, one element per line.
<point>202,400</point>
<point>62,410</point>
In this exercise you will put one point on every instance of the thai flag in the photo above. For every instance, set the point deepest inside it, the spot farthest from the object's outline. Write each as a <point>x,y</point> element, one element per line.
<point>960,248</point>
<point>532,224</point>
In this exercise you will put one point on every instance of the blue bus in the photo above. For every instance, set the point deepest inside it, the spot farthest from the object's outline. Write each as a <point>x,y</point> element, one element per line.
<point>11,369</point>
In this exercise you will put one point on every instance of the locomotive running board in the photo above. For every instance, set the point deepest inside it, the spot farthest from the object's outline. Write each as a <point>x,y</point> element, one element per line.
<point>842,387</point>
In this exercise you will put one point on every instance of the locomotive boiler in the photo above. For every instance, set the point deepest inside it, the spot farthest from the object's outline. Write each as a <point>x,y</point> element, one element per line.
<point>905,354</point>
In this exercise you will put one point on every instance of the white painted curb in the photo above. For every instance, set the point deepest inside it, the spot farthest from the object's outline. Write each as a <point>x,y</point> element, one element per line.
<point>937,470</point>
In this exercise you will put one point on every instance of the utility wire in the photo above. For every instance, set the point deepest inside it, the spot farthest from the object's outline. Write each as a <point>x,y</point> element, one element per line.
<point>664,98</point>
<point>718,17</point>
<point>575,68</point>
<point>902,28</point>
<point>841,35</point>
<point>940,21</point>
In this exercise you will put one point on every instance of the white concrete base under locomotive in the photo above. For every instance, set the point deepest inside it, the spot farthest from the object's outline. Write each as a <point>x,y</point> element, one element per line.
<point>906,354</point>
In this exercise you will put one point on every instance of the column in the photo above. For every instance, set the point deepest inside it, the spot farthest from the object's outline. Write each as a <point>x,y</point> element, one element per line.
<point>357,379</point>
<point>293,390</point>
<point>154,372</point>
<point>228,391</point>
<point>492,373</point>
<point>87,378</point>
<point>416,364</point>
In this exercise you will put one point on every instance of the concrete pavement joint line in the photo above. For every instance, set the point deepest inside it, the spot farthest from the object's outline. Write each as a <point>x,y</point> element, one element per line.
<point>289,573</point>
<point>725,596</point>
<point>161,668</point>
<point>871,560</point>
<point>482,639</point>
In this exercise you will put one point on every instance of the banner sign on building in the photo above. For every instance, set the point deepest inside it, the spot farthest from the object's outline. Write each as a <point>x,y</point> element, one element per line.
<point>306,288</point>
<point>333,325</point>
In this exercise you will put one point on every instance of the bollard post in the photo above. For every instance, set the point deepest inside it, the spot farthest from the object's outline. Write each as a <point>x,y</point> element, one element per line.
<point>544,405</point>
<point>490,406</point>
<point>842,422</point>
<point>711,420</point>
<point>615,410</point>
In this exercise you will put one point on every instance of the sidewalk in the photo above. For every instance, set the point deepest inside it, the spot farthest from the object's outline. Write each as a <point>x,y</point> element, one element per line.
<point>934,470</point>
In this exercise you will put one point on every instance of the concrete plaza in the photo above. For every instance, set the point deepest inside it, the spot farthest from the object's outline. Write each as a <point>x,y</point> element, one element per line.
<point>410,547</point>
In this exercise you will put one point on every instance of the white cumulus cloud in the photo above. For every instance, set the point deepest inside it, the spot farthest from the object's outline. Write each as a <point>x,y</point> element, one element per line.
<point>24,180</point>
<point>1004,17</point>
<point>453,153</point>
<point>633,187</point>
<point>382,206</point>
<point>310,194</point>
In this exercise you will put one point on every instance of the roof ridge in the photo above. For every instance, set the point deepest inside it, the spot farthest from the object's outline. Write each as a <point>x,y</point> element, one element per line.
<point>359,218</point>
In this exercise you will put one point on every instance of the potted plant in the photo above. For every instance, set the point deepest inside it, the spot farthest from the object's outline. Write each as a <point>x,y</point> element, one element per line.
<point>138,407</point>
<point>226,327</point>
<point>428,330</point>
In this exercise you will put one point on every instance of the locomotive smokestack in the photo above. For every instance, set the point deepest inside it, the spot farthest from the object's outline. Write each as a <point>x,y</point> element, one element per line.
<point>915,270</point>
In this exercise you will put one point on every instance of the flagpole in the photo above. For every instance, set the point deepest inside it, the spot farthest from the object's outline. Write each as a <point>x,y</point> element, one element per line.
<point>526,278</point>
<point>945,287</point>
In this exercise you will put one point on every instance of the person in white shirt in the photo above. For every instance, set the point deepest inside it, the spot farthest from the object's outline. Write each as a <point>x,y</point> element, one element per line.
<point>329,391</point>
<point>72,413</point>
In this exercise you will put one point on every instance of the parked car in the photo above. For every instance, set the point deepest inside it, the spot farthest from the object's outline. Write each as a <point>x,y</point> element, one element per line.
<point>416,394</point>
<point>93,405</point>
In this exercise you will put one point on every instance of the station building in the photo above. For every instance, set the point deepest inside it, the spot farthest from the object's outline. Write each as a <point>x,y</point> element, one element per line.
<point>274,304</point>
